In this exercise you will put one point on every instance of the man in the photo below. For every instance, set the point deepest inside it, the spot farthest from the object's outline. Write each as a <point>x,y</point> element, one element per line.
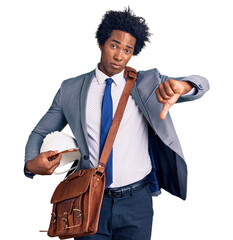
<point>146,149</point>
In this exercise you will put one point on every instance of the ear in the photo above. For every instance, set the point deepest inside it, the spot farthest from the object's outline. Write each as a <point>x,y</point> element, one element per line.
<point>101,47</point>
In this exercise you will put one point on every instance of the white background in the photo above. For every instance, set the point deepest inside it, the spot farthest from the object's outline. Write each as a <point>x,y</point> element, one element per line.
<point>44,42</point>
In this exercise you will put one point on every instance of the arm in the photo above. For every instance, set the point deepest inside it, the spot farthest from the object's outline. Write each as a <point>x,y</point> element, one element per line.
<point>171,90</point>
<point>53,120</point>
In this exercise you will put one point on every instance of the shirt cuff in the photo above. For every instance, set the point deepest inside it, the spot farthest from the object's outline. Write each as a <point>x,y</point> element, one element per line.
<point>27,173</point>
<point>192,92</point>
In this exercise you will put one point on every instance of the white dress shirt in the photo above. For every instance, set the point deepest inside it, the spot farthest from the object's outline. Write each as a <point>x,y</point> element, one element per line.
<point>131,160</point>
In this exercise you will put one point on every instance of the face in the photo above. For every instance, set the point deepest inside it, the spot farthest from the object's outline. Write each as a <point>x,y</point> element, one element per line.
<point>116,52</point>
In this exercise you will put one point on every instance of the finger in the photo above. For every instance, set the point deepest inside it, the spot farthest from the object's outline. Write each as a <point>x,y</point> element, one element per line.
<point>56,161</point>
<point>52,158</point>
<point>162,92</point>
<point>168,88</point>
<point>49,153</point>
<point>51,171</point>
<point>165,110</point>
<point>159,98</point>
<point>176,86</point>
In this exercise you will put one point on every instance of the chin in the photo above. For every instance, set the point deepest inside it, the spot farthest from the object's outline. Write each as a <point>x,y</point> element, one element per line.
<point>111,71</point>
<point>115,71</point>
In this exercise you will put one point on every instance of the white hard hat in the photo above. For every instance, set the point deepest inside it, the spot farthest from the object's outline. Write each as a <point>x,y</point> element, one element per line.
<point>64,144</point>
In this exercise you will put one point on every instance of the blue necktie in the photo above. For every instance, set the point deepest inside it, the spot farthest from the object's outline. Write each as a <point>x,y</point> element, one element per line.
<point>106,121</point>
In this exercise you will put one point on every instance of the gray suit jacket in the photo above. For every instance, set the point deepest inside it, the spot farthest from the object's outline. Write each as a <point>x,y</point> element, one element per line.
<point>69,106</point>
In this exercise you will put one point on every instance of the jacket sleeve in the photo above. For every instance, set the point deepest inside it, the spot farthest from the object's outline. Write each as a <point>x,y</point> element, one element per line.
<point>200,83</point>
<point>53,120</point>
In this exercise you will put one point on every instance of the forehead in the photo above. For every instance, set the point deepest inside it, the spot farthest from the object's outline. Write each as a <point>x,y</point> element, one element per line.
<point>124,38</point>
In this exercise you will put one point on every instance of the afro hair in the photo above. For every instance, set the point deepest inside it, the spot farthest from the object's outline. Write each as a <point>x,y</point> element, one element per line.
<point>125,21</point>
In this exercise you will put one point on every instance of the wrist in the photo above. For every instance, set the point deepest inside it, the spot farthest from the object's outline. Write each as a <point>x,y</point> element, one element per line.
<point>27,172</point>
<point>187,86</point>
<point>27,167</point>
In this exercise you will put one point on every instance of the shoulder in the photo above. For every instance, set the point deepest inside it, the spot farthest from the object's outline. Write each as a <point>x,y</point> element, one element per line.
<point>151,76</point>
<point>148,73</point>
<point>76,81</point>
<point>148,80</point>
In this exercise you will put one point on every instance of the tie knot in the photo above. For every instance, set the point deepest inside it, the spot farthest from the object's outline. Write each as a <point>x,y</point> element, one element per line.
<point>109,81</point>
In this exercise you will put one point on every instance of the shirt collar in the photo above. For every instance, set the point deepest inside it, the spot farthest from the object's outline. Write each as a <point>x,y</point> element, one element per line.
<point>101,77</point>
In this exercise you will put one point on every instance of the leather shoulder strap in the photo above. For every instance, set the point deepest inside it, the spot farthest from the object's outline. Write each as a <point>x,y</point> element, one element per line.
<point>131,75</point>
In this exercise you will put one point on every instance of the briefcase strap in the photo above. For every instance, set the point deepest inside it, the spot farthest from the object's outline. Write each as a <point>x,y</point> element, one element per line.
<point>131,75</point>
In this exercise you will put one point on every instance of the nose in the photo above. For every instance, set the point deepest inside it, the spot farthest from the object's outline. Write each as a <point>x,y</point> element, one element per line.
<point>118,55</point>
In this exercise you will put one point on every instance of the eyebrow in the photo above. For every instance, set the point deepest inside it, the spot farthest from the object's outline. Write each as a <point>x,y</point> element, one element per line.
<point>120,44</point>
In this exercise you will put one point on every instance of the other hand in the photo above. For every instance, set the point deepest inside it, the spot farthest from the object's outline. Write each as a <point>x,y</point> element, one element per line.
<point>169,92</point>
<point>45,163</point>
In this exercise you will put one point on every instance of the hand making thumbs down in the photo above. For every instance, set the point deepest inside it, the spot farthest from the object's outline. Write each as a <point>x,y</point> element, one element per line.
<point>169,92</point>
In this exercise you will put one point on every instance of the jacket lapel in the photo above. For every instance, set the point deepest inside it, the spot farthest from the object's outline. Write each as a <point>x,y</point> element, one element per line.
<point>135,95</point>
<point>83,102</point>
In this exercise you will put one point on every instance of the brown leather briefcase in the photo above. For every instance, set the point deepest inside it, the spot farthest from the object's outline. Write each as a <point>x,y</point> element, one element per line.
<point>76,204</point>
<point>77,200</point>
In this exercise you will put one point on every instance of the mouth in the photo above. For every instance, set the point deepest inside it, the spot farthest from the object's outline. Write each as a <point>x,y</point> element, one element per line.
<point>115,66</point>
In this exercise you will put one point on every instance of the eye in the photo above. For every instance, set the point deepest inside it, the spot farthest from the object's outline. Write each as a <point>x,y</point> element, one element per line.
<point>127,51</point>
<point>113,45</point>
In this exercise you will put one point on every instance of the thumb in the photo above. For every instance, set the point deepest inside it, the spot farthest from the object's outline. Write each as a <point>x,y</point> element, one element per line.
<point>165,110</point>
<point>51,155</point>
<point>54,160</point>
<point>168,103</point>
